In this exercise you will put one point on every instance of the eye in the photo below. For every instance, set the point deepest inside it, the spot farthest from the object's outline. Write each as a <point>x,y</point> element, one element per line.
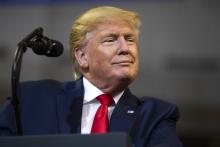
<point>109,39</point>
<point>130,38</point>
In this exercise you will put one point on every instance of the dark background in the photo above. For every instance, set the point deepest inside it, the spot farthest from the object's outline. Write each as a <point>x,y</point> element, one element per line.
<point>179,52</point>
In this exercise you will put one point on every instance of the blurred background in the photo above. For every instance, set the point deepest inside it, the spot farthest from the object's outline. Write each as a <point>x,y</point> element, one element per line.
<point>179,54</point>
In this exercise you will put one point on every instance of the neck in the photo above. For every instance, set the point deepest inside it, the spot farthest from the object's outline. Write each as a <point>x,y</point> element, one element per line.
<point>112,87</point>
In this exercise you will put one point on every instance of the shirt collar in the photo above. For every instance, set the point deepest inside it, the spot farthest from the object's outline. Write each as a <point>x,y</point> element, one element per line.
<point>91,92</point>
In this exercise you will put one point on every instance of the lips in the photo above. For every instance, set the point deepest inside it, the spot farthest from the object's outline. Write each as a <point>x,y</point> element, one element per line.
<point>124,62</point>
<point>121,62</point>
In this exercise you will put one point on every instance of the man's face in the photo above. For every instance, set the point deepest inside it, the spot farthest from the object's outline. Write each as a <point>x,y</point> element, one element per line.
<point>111,53</point>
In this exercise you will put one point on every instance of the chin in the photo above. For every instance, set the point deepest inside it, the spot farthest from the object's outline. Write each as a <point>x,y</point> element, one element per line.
<point>125,75</point>
<point>126,78</point>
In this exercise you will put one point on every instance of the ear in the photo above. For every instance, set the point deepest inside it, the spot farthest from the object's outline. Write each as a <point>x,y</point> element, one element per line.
<point>81,57</point>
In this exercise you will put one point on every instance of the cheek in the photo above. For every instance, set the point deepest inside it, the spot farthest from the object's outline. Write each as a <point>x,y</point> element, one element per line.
<point>104,54</point>
<point>100,57</point>
<point>135,54</point>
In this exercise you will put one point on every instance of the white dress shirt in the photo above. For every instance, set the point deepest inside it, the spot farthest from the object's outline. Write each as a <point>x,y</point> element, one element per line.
<point>90,105</point>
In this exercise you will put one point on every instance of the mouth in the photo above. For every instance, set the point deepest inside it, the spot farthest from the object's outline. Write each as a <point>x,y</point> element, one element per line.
<point>124,62</point>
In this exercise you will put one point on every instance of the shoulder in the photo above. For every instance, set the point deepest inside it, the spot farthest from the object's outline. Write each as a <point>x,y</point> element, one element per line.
<point>40,86</point>
<point>156,121</point>
<point>159,108</point>
<point>156,102</point>
<point>40,83</point>
<point>46,85</point>
<point>46,89</point>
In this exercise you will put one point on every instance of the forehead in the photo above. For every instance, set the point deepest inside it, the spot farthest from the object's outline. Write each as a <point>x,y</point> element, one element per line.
<point>114,27</point>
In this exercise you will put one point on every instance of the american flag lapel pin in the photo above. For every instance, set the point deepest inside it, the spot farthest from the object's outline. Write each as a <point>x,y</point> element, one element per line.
<point>130,111</point>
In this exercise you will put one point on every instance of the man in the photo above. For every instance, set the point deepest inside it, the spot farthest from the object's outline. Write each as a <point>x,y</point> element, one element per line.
<point>104,47</point>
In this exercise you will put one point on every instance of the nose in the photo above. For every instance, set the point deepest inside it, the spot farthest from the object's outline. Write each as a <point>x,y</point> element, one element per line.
<point>123,47</point>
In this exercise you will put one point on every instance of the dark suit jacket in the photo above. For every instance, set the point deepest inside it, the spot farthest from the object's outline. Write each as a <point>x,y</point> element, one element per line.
<point>52,107</point>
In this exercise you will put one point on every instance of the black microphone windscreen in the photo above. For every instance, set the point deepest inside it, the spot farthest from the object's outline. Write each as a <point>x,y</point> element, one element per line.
<point>55,48</point>
<point>47,47</point>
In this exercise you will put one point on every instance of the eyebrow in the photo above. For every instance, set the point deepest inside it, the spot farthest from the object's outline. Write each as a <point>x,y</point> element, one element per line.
<point>117,34</point>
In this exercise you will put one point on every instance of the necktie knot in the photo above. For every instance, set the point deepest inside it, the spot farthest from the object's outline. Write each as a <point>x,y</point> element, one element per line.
<point>105,99</point>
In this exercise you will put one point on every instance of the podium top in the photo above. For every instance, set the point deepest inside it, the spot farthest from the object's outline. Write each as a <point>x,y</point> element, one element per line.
<point>68,140</point>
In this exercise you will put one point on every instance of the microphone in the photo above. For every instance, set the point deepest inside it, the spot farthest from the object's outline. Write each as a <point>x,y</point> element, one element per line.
<point>41,44</point>
<point>45,46</point>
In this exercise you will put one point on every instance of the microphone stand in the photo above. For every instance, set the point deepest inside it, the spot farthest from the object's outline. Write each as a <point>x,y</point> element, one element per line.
<point>15,75</point>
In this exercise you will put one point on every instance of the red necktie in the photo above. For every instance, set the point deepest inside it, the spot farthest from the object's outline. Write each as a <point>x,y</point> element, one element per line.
<point>100,122</point>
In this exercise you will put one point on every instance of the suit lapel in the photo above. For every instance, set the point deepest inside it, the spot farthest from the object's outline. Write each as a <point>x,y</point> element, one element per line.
<point>69,107</point>
<point>124,113</point>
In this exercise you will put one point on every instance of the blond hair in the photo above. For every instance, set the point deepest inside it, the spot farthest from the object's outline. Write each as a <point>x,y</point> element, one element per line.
<point>88,21</point>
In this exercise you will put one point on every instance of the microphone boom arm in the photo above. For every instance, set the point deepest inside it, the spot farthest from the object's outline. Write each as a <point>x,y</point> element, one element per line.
<point>15,74</point>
